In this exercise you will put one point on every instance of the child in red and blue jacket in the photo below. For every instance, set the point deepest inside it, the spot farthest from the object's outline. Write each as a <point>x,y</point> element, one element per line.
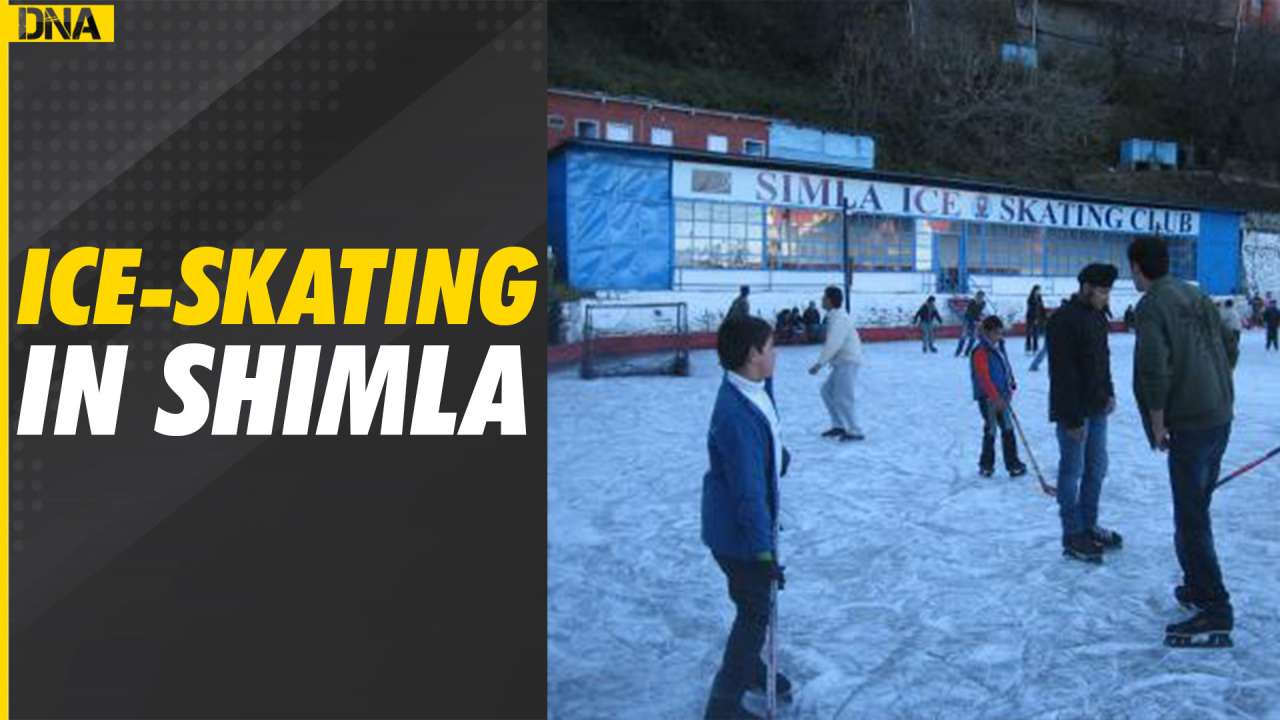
<point>993,386</point>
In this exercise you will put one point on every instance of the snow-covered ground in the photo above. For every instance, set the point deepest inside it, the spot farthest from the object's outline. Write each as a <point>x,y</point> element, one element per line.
<point>916,588</point>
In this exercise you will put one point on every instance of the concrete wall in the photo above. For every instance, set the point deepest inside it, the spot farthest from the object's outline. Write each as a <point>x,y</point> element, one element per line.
<point>879,300</point>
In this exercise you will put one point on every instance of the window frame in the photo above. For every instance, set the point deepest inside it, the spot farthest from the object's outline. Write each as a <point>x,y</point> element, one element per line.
<point>612,125</point>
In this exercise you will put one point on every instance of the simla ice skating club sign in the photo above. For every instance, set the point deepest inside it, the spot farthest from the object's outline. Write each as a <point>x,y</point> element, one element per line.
<point>770,186</point>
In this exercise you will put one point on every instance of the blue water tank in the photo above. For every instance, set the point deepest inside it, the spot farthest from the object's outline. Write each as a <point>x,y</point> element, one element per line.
<point>1022,54</point>
<point>792,142</point>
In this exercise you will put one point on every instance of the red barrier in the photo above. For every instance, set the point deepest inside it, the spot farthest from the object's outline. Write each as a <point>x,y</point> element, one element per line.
<point>559,356</point>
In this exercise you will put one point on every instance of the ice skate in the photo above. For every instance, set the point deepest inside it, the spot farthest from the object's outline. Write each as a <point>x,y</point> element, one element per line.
<point>1205,630</point>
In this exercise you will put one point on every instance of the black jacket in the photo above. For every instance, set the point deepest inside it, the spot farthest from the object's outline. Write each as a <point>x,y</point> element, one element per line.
<point>1079,364</point>
<point>1035,311</point>
<point>973,312</point>
<point>926,314</point>
<point>1272,318</point>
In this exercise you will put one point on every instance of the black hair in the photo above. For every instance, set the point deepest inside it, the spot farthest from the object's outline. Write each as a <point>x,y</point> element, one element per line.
<point>1230,304</point>
<point>736,337</point>
<point>835,295</point>
<point>931,299</point>
<point>992,323</point>
<point>744,290</point>
<point>1151,254</point>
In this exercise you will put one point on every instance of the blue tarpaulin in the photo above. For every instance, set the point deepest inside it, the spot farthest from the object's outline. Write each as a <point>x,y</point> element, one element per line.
<point>1218,252</point>
<point>617,219</point>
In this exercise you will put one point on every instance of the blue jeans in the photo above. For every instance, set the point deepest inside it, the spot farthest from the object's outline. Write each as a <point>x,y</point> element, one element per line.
<point>1081,467</point>
<point>1039,358</point>
<point>969,333</point>
<point>1195,459</point>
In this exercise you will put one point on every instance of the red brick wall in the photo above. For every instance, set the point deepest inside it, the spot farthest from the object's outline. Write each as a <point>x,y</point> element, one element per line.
<point>690,130</point>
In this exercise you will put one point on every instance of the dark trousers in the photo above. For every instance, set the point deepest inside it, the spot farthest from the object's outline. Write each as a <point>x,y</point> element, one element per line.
<point>991,422</point>
<point>1033,337</point>
<point>742,667</point>
<point>970,334</point>
<point>1195,459</point>
<point>1272,341</point>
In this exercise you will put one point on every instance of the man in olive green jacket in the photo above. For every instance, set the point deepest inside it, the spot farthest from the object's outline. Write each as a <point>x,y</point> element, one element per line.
<point>1182,383</point>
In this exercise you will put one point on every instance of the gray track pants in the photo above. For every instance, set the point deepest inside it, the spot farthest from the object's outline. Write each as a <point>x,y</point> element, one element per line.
<point>837,393</point>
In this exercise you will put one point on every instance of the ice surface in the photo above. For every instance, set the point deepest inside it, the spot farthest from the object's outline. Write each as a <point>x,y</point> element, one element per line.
<point>916,588</point>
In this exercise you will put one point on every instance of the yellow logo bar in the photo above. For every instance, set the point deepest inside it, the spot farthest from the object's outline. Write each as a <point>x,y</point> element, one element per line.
<point>59,23</point>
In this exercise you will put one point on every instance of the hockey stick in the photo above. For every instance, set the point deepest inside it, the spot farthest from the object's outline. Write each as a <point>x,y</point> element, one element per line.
<point>771,681</point>
<point>1246,468</point>
<point>1048,489</point>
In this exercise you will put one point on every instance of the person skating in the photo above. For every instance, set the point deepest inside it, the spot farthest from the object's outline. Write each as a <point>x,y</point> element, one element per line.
<point>1081,396</point>
<point>843,351</point>
<point>972,316</point>
<point>926,317</point>
<point>1182,365</point>
<point>1035,320</point>
<point>1271,318</point>
<point>740,307</point>
<point>1044,347</point>
<point>740,506</point>
<point>993,386</point>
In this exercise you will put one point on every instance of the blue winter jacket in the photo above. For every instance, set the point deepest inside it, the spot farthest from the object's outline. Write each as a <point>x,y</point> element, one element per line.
<point>740,491</point>
<point>990,371</point>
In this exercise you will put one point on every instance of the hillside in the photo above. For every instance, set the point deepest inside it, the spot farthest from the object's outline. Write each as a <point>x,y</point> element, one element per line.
<point>933,92</point>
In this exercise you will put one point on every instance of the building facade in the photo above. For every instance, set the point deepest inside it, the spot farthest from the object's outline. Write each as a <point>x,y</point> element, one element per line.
<point>662,224</point>
<point>596,116</point>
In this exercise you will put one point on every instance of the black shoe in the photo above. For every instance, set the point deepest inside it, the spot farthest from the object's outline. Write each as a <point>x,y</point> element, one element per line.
<point>1108,539</point>
<point>783,687</point>
<point>1018,470</point>
<point>1081,547</point>
<point>847,436</point>
<point>933,350</point>
<point>1209,628</point>
<point>986,471</point>
<point>833,432</point>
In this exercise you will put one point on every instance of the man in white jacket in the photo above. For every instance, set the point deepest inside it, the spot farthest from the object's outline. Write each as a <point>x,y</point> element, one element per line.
<point>843,351</point>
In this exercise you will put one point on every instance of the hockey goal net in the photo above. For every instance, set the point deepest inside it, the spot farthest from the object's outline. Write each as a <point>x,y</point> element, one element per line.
<point>635,339</point>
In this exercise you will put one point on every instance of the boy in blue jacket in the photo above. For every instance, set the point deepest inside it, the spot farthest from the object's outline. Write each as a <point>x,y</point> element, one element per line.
<point>740,506</point>
<point>993,386</point>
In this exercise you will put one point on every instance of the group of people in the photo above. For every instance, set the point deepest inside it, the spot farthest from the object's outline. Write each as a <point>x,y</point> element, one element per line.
<point>972,329</point>
<point>1182,386</point>
<point>790,325</point>
<point>1263,313</point>
<point>794,326</point>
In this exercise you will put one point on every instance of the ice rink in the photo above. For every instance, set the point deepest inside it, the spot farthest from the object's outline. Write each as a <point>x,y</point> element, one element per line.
<point>916,588</point>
